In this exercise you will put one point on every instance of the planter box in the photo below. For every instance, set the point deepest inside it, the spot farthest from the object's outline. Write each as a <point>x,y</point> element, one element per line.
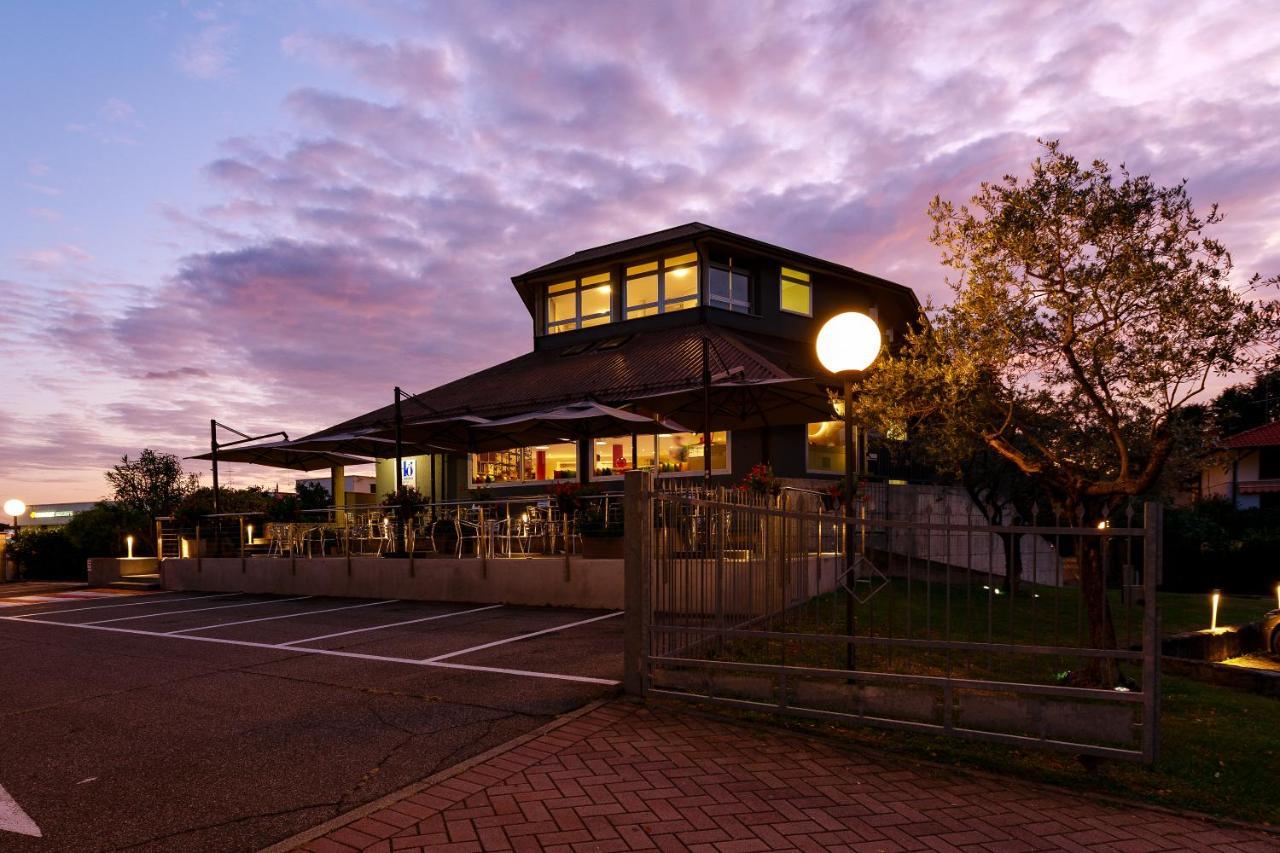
<point>603,547</point>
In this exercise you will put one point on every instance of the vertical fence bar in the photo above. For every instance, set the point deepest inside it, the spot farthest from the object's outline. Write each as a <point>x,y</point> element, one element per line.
<point>1152,545</point>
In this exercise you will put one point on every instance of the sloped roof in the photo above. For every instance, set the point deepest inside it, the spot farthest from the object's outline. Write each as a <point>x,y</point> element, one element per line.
<point>1267,435</point>
<point>612,371</point>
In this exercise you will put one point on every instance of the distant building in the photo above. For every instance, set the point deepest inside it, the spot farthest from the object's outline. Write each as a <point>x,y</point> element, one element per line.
<point>1251,477</point>
<point>52,515</point>
<point>361,489</point>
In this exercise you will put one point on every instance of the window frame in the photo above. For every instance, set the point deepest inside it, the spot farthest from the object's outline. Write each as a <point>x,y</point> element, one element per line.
<point>731,271</point>
<point>662,266</point>
<point>715,472</point>
<point>521,464</point>
<point>581,284</point>
<point>784,280</point>
<point>808,468</point>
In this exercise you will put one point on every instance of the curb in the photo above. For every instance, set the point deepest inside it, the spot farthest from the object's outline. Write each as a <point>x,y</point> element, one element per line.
<point>293,842</point>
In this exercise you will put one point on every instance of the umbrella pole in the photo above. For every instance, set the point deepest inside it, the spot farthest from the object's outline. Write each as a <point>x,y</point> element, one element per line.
<point>706,411</point>
<point>400,531</point>
<point>213,451</point>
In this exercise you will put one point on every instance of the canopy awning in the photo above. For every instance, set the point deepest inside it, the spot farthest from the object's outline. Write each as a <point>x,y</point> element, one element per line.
<point>363,443</point>
<point>278,454</point>
<point>744,403</point>
<point>577,421</point>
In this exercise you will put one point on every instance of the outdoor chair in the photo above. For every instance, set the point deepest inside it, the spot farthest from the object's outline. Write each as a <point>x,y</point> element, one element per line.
<point>468,530</point>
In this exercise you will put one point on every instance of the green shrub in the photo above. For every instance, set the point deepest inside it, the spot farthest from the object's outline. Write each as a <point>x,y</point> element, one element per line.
<point>1215,546</point>
<point>101,531</point>
<point>46,553</point>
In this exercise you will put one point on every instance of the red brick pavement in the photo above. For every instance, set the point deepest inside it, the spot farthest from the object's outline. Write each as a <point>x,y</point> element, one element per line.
<point>627,777</point>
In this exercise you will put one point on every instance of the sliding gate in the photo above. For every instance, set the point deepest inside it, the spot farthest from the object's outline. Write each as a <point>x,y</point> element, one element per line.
<point>758,603</point>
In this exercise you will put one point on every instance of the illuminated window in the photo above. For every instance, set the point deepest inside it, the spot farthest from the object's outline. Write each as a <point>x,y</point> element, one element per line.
<point>653,288</point>
<point>797,293</point>
<point>826,448</point>
<point>543,462</point>
<point>580,303</point>
<point>729,289</point>
<point>613,456</point>
<point>681,453</point>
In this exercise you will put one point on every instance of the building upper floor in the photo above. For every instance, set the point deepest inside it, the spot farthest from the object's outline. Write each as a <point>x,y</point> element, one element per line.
<point>694,274</point>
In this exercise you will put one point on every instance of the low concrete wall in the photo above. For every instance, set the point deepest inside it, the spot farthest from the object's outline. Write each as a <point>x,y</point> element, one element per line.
<point>535,581</point>
<point>103,571</point>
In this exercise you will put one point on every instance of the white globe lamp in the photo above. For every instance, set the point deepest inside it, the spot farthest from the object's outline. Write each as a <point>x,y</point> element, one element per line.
<point>848,342</point>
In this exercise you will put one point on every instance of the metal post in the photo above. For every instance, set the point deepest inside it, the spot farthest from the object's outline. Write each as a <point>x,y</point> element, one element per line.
<point>213,449</point>
<point>399,444</point>
<point>851,658</point>
<point>706,411</point>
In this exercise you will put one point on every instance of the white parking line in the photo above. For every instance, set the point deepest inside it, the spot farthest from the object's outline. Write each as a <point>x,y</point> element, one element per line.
<point>285,616</point>
<point>391,625</point>
<point>188,610</point>
<point>303,650</point>
<point>484,646</point>
<point>129,604</point>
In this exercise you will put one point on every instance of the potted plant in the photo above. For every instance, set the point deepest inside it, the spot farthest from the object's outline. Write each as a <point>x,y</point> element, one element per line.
<point>602,533</point>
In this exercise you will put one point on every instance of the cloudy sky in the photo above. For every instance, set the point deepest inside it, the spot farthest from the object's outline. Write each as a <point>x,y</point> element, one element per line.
<point>271,213</point>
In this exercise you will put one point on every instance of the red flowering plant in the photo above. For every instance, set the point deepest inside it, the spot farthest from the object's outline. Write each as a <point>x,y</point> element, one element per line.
<point>567,496</point>
<point>760,481</point>
<point>838,497</point>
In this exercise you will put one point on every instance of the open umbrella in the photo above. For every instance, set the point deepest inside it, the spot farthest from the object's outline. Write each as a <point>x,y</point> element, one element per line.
<point>278,454</point>
<point>577,421</point>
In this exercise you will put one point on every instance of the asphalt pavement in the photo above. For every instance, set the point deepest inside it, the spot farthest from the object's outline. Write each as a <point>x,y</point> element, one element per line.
<point>220,723</point>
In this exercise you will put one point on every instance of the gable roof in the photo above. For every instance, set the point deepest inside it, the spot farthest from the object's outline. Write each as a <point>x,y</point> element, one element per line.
<point>1267,435</point>
<point>685,233</point>
<point>613,371</point>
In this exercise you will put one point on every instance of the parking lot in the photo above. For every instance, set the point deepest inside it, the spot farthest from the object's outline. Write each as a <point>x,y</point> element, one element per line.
<point>225,722</point>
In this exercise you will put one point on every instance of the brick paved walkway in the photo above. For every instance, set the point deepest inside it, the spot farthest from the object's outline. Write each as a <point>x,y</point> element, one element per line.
<point>625,777</point>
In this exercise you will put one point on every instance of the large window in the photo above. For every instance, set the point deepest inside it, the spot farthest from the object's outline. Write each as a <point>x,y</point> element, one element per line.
<point>796,294</point>
<point>729,288</point>
<point>537,464</point>
<point>681,452</point>
<point>826,448</point>
<point>658,287</point>
<point>580,303</point>
<point>614,456</point>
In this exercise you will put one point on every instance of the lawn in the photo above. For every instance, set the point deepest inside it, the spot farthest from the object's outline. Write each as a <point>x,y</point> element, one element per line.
<point>1220,754</point>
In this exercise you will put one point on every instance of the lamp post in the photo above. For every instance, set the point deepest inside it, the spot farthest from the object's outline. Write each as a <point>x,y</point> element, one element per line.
<point>847,345</point>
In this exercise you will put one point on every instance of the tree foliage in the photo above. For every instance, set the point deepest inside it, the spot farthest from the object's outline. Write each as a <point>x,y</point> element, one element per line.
<point>151,485</point>
<point>1090,308</point>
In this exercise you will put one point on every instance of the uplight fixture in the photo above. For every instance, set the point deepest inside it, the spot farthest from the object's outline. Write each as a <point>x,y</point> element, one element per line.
<point>249,528</point>
<point>128,544</point>
<point>1216,598</point>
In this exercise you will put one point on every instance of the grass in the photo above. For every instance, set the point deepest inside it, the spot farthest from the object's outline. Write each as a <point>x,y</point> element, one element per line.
<point>1220,755</point>
<point>1181,612</point>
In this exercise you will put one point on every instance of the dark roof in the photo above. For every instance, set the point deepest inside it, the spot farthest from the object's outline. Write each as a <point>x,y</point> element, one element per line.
<point>612,371</point>
<point>1267,435</point>
<point>685,233</point>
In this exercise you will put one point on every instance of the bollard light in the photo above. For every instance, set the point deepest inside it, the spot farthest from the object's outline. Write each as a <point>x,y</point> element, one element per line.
<point>1213,623</point>
<point>250,536</point>
<point>186,548</point>
<point>128,542</point>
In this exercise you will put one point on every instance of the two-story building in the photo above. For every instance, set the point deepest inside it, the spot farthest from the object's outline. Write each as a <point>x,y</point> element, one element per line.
<point>623,323</point>
<point>1250,475</point>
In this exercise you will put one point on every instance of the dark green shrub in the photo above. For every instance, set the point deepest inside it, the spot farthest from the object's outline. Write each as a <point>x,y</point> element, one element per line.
<point>46,553</point>
<point>101,531</point>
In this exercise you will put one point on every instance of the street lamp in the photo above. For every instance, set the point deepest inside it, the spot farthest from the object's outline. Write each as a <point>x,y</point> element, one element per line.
<point>847,345</point>
<point>14,508</point>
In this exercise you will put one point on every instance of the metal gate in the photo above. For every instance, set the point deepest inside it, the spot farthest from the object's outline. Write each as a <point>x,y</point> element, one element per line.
<point>757,602</point>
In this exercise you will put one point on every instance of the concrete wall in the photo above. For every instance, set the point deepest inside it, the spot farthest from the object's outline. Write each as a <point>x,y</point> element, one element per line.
<point>534,581</point>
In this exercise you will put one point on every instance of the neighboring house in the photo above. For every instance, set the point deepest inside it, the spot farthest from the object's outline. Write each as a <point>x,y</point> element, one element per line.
<point>619,322</point>
<point>1251,477</point>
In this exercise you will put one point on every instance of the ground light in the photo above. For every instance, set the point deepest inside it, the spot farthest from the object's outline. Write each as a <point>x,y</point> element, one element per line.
<point>249,537</point>
<point>1215,598</point>
<point>847,345</point>
<point>128,544</point>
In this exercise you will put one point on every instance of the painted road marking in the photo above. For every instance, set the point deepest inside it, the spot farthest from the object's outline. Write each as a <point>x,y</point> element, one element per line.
<point>285,616</point>
<point>191,610</point>
<point>129,604</point>
<point>484,646</point>
<point>304,650</point>
<point>55,597</point>
<point>392,625</point>
<point>13,818</point>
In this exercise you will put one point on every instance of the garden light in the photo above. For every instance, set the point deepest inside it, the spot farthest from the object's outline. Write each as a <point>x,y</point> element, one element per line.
<point>1213,624</point>
<point>186,548</point>
<point>128,544</point>
<point>249,536</point>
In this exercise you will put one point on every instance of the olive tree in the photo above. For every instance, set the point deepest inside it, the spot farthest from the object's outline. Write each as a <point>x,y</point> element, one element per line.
<point>1089,309</point>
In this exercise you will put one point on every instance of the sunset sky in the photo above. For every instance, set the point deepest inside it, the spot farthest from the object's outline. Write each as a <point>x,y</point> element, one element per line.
<point>271,213</point>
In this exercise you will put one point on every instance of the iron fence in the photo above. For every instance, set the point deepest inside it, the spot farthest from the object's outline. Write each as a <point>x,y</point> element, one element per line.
<point>1039,634</point>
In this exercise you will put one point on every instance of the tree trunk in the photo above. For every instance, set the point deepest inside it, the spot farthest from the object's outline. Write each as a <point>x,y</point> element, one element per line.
<point>1012,561</point>
<point>1100,672</point>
